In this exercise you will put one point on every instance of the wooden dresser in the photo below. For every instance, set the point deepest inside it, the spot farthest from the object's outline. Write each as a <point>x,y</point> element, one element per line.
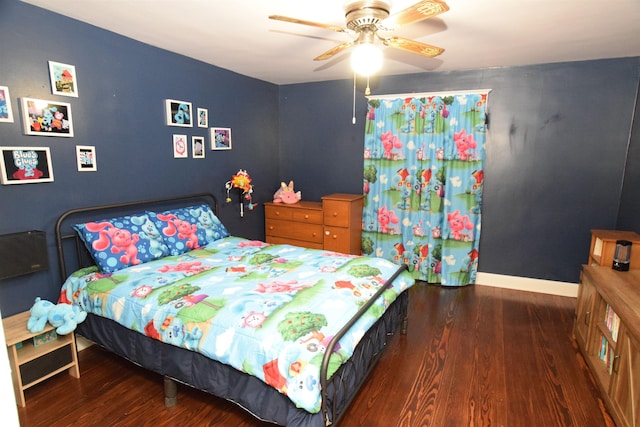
<point>299,224</point>
<point>334,224</point>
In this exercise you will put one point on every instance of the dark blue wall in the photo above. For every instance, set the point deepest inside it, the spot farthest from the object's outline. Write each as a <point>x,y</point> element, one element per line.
<point>122,85</point>
<point>556,157</point>
<point>556,154</point>
<point>629,214</point>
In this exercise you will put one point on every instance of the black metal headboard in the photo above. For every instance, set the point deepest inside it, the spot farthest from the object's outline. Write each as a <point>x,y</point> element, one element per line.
<point>71,250</point>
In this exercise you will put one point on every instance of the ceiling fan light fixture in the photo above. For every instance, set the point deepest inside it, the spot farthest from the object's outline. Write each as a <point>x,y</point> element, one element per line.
<point>366,59</point>
<point>365,18</point>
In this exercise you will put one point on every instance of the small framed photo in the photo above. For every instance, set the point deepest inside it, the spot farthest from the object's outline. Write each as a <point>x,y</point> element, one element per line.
<point>25,165</point>
<point>178,113</point>
<point>63,79</point>
<point>197,147</point>
<point>221,138</point>
<point>180,150</point>
<point>47,118</point>
<point>6,114</point>
<point>86,158</point>
<point>203,118</point>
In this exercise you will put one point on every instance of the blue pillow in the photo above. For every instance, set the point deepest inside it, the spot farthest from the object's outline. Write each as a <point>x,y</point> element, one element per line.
<point>188,228</point>
<point>120,242</point>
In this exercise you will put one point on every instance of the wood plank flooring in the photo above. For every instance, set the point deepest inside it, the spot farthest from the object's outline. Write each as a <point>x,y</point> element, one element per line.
<point>473,356</point>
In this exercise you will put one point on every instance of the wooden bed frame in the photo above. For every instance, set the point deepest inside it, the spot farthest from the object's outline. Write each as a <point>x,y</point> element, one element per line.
<point>336,392</point>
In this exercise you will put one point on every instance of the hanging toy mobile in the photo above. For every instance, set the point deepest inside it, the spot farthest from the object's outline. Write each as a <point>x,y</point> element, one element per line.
<point>241,181</point>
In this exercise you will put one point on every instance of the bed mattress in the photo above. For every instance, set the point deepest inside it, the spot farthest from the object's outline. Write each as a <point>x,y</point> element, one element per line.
<point>267,311</point>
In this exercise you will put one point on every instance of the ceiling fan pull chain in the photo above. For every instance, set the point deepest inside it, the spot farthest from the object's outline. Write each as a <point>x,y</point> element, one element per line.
<point>353,119</point>
<point>367,91</point>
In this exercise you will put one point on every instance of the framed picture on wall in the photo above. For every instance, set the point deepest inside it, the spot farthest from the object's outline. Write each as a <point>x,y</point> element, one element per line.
<point>46,118</point>
<point>197,147</point>
<point>180,149</point>
<point>221,138</point>
<point>25,165</point>
<point>86,158</point>
<point>178,113</point>
<point>6,114</point>
<point>203,118</point>
<point>63,79</point>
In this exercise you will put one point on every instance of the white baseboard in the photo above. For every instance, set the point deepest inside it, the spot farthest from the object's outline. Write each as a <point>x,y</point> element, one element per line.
<point>564,289</point>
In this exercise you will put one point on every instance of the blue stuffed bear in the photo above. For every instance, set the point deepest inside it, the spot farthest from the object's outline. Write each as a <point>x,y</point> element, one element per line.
<point>63,317</point>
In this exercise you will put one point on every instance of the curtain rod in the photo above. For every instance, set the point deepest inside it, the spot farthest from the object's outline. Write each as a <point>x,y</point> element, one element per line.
<point>427,94</point>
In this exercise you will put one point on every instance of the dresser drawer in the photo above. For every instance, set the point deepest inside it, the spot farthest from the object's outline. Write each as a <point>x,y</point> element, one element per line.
<point>307,215</point>
<point>285,241</point>
<point>336,213</point>
<point>294,230</point>
<point>310,212</point>
<point>278,212</point>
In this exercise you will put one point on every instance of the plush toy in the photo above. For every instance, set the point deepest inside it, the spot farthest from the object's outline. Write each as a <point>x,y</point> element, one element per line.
<point>39,314</point>
<point>286,194</point>
<point>63,317</point>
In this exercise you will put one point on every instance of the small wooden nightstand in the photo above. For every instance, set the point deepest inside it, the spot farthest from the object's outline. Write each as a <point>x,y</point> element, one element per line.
<point>31,365</point>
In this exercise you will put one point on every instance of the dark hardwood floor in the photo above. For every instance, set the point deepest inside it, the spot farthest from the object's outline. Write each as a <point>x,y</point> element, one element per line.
<point>473,356</point>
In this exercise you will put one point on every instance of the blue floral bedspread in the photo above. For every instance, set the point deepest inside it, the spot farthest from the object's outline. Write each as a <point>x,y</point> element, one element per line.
<point>267,310</point>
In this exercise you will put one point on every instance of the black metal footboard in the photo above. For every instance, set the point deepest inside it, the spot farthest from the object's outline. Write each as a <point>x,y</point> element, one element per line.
<point>335,398</point>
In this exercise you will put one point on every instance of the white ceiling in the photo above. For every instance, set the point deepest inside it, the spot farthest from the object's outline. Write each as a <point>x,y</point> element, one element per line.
<point>238,36</point>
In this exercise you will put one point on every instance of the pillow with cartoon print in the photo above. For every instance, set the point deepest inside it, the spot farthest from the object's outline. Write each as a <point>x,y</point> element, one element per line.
<point>121,242</point>
<point>188,228</point>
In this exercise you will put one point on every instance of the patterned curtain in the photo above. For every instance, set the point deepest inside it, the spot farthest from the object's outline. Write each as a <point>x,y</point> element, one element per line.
<point>423,179</point>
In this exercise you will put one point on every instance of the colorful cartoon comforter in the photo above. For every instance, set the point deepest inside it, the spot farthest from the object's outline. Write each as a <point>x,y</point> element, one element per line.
<point>267,310</point>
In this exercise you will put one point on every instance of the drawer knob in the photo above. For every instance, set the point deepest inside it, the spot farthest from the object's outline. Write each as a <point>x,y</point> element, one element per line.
<point>306,217</point>
<point>327,233</point>
<point>335,214</point>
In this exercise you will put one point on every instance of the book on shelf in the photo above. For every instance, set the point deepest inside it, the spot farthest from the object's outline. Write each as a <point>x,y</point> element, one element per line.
<point>606,354</point>
<point>613,322</point>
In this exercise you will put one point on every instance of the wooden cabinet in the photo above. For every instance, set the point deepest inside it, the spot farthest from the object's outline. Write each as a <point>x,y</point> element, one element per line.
<point>603,247</point>
<point>298,224</point>
<point>625,388</point>
<point>343,223</point>
<point>584,310</point>
<point>607,329</point>
<point>334,224</point>
<point>32,364</point>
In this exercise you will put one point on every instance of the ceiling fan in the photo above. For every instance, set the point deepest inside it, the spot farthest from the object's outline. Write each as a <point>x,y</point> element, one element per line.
<point>366,18</point>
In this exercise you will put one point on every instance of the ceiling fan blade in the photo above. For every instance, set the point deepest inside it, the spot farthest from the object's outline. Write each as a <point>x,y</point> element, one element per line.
<point>303,22</point>
<point>419,11</point>
<point>413,46</point>
<point>334,50</point>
